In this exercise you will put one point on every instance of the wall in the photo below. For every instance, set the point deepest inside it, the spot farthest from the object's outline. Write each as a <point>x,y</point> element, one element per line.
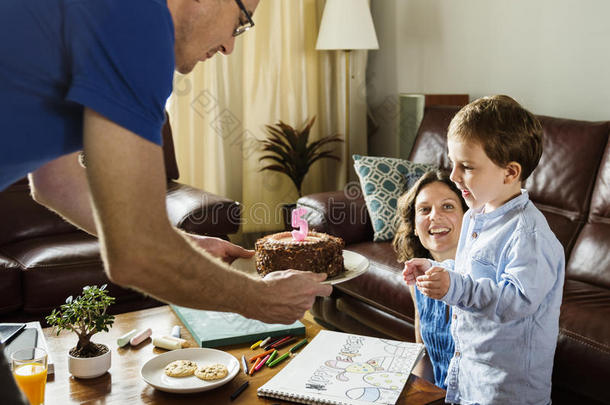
<point>553,56</point>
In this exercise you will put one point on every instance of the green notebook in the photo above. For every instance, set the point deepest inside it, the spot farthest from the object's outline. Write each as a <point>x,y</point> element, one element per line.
<point>213,329</point>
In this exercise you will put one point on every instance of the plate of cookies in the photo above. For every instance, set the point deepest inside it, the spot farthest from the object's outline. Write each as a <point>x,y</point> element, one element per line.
<point>190,370</point>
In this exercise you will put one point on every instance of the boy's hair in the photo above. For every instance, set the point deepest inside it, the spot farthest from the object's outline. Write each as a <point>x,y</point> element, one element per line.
<point>506,131</point>
<point>405,243</point>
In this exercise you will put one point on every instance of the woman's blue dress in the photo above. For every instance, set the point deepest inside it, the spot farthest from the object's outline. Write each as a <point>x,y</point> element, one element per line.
<point>434,327</point>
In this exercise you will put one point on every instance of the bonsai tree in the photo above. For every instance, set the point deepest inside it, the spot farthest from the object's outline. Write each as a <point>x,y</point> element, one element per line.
<point>291,153</point>
<point>84,315</point>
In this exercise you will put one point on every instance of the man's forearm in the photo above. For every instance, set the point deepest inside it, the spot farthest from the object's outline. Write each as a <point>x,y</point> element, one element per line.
<point>181,273</point>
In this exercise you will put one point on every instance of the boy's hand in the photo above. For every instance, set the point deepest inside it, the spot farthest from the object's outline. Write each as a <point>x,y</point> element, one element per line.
<point>434,283</point>
<point>414,268</point>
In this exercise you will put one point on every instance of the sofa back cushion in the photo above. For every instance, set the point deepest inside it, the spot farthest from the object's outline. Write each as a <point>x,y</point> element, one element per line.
<point>590,261</point>
<point>561,185</point>
<point>22,218</point>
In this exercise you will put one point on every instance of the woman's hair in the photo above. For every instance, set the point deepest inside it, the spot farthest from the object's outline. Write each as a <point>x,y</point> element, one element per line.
<point>405,243</point>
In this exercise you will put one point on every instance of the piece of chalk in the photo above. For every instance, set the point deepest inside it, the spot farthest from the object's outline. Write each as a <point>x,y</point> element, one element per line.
<point>164,343</point>
<point>181,341</point>
<point>140,337</point>
<point>176,331</point>
<point>123,340</point>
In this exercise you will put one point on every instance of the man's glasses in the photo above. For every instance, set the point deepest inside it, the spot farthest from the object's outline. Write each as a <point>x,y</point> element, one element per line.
<point>243,26</point>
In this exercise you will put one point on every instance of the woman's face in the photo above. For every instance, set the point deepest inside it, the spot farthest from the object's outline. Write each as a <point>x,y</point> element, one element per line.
<point>438,220</point>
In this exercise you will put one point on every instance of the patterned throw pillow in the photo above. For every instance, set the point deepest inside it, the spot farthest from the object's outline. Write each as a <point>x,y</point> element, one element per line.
<point>383,180</point>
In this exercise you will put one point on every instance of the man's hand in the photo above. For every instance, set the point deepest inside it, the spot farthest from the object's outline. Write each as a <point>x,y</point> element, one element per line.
<point>413,269</point>
<point>435,283</point>
<point>226,251</point>
<point>289,294</point>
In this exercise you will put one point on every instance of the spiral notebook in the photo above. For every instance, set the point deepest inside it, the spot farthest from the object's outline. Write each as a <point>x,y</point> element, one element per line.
<point>345,369</point>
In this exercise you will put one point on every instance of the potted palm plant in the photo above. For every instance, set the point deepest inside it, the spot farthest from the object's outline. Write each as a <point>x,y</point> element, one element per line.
<point>85,315</point>
<point>290,152</point>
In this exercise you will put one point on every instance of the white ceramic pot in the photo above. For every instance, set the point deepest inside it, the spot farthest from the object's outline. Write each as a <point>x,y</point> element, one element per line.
<point>89,367</point>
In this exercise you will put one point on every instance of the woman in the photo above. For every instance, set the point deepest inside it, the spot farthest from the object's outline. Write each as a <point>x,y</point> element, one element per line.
<point>430,220</point>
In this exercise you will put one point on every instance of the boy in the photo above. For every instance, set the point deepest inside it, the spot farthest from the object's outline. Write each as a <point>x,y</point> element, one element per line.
<point>506,283</point>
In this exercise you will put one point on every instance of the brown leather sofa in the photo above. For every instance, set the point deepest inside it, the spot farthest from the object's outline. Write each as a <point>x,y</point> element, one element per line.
<point>571,186</point>
<point>44,259</point>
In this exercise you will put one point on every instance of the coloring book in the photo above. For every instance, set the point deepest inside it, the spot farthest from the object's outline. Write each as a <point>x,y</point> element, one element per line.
<point>341,368</point>
<point>213,329</point>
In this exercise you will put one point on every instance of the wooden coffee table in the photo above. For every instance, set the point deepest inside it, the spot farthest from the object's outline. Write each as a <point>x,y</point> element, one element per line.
<point>124,385</point>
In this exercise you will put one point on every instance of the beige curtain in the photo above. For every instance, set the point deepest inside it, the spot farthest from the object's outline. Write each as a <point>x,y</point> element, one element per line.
<point>219,111</point>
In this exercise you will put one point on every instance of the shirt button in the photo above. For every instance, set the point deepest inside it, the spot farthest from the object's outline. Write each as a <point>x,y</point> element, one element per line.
<point>474,235</point>
<point>454,316</point>
<point>457,354</point>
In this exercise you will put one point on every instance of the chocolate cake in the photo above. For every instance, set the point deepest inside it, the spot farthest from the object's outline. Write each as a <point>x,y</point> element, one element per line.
<point>319,253</point>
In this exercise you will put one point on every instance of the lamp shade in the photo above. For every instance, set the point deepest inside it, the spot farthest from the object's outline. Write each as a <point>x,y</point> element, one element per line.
<point>347,24</point>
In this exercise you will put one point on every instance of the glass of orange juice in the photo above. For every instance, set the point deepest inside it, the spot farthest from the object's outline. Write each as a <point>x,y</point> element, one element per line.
<point>30,371</point>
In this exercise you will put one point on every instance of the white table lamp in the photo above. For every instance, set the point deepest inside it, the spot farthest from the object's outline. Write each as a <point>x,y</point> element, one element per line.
<point>347,25</point>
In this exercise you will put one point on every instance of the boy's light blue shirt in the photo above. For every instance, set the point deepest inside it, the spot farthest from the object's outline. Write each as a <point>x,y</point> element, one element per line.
<point>506,289</point>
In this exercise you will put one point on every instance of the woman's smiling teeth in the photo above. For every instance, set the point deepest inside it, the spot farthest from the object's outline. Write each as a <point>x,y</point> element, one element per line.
<point>435,231</point>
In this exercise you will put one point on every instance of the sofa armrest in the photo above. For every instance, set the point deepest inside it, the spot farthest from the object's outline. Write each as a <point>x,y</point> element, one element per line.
<point>339,213</point>
<point>199,212</point>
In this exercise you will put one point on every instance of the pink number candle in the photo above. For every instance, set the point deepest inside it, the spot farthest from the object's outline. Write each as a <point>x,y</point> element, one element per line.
<point>298,222</point>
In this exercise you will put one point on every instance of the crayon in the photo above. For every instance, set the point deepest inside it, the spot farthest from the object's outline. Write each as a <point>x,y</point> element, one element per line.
<point>263,354</point>
<point>283,343</point>
<point>244,364</point>
<point>275,352</point>
<point>254,366</point>
<point>239,390</point>
<point>279,359</point>
<point>274,344</point>
<point>298,345</point>
<point>255,345</point>
<point>262,363</point>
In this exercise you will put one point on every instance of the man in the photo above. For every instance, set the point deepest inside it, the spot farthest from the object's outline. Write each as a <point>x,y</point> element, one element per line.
<point>95,75</point>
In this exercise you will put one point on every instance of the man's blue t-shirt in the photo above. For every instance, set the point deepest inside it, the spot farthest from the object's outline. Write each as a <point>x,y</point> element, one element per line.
<point>56,56</point>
